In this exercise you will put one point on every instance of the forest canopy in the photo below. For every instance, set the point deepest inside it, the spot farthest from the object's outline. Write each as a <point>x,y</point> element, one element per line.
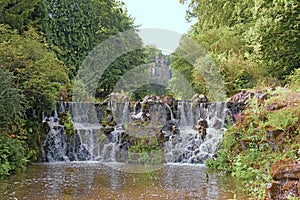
<point>252,42</point>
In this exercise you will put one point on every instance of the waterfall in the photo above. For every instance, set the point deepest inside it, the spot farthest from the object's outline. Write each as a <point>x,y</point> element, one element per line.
<point>170,111</point>
<point>188,146</point>
<point>55,142</point>
<point>120,108</point>
<point>187,114</point>
<point>158,114</point>
<point>112,151</point>
<point>83,145</point>
<point>125,117</point>
<point>216,114</point>
<point>89,142</point>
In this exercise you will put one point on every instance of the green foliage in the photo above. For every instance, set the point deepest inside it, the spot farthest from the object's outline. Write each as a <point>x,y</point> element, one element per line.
<point>258,139</point>
<point>251,42</point>
<point>292,198</point>
<point>225,51</point>
<point>41,42</point>
<point>294,79</point>
<point>11,100</point>
<point>130,73</point>
<point>31,80</point>
<point>34,133</point>
<point>18,13</point>
<point>39,75</point>
<point>219,13</point>
<point>122,73</point>
<point>145,151</point>
<point>151,52</point>
<point>275,35</point>
<point>12,155</point>
<point>186,79</point>
<point>67,122</point>
<point>281,120</point>
<point>76,27</point>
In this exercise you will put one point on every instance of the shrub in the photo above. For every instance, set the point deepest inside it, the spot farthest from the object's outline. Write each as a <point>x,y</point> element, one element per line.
<point>13,155</point>
<point>67,122</point>
<point>294,79</point>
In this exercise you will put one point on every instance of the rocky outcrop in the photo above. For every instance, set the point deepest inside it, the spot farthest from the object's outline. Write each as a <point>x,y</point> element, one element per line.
<point>157,109</point>
<point>286,180</point>
<point>170,129</point>
<point>240,101</point>
<point>201,127</point>
<point>199,98</point>
<point>244,96</point>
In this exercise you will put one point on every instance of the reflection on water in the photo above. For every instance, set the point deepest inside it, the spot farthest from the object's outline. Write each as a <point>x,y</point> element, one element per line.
<point>94,180</point>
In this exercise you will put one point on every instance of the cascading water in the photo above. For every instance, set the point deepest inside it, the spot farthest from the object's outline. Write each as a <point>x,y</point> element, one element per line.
<point>83,145</point>
<point>187,116</point>
<point>215,115</point>
<point>170,111</point>
<point>185,145</point>
<point>55,142</point>
<point>189,146</point>
<point>119,107</point>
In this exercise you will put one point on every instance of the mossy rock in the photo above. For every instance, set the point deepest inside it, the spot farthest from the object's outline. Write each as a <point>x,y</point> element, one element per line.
<point>286,169</point>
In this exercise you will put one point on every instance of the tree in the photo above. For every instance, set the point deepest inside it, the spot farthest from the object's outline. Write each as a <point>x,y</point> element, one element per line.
<point>78,26</point>
<point>19,14</point>
<point>39,75</point>
<point>250,41</point>
<point>275,37</point>
<point>218,13</point>
<point>219,32</point>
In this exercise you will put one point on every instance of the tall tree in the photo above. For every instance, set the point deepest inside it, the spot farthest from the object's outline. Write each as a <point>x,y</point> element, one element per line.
<point>219,13</point>
<point>77,26</point>
<point>250,41</point>
<point>275,37</point>
<point>19,14</point>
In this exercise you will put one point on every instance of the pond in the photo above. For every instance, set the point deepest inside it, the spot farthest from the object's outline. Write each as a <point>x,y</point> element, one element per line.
<point>98,180</point>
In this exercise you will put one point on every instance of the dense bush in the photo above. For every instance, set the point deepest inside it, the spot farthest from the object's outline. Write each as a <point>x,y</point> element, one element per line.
<point>38,74</point>
<point>13,155</point>
<point>294,79</point>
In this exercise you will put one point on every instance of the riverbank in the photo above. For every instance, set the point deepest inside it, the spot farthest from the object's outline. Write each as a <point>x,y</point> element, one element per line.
<point>265,132</point>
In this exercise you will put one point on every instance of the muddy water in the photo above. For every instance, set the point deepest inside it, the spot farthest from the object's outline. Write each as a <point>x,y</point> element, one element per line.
<point>94,180</point>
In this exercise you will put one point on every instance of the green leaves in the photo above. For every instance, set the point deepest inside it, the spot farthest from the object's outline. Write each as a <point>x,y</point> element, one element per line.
<point>20,14</point>
<point>281,120</point>
<point>39,75</point>
<point>67,122</point>
<point>12,155</point>
<point>250,41</point>
<point>263,136</point>
<point>276,31</point>
<point>11,100</point>
<point>76,27</point>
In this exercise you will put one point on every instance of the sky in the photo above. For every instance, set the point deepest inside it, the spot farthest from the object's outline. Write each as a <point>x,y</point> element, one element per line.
<point>164,14</point>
